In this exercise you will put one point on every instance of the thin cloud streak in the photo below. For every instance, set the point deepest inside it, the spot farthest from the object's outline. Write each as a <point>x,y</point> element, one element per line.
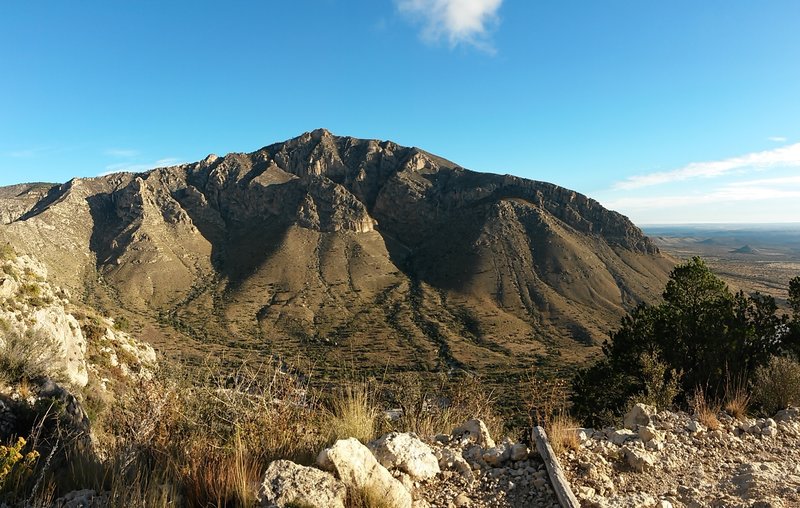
<point>125,167</point>
<point>753,190</point>
<point>458,21</point>
<point>780,157</point>
<point>777,139</point>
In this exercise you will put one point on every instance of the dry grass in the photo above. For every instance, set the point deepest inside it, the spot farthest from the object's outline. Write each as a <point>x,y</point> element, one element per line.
<point>737,399</point>
<point>368,497</point>
<point>443,404</point>
<point>705,411</point>
<point>353,413</point>
<point>561,430</point>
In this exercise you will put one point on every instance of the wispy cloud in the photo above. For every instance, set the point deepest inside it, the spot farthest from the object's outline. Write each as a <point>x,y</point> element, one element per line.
<point>458,21</point>
<point>127,167</point>
<point>766,189</point>
<point>777,139</point>
<point>780,157</point>
<point>28,153</point>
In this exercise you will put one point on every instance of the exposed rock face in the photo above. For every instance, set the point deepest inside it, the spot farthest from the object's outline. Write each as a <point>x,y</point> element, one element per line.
<point>322,240</point>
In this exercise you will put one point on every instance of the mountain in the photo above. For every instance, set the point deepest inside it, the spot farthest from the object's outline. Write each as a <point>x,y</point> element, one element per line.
<point>745,249</point>
<point>342,251</point>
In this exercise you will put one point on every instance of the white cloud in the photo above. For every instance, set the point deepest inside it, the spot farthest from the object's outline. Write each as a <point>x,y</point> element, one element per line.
<point>777,139</point>
<point>767,189</point>
<point>785,156</point>
<point>126,167</point>
<point>458,21</point>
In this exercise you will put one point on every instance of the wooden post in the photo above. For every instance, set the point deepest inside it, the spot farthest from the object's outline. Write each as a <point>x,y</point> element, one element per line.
<point>557,478</point>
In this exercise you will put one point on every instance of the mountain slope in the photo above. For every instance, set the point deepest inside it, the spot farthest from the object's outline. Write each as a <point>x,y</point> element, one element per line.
<point>345,250</point>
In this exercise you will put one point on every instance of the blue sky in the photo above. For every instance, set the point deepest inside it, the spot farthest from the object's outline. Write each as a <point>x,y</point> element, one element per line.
<point>669,112</point>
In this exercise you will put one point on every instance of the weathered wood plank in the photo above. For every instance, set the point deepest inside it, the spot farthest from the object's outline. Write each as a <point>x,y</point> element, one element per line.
<point>557,478</point>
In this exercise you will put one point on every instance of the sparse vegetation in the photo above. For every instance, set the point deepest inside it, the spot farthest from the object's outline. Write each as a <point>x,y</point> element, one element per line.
<point>29,356</point>
<point>777,384</point>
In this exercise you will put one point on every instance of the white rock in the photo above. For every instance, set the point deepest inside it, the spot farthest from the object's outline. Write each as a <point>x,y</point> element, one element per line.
<point>769,431</point>
<point>453,460</point>
<point>475,431</point>
<point>406,452</point>
<point>695,426</point>
<point>286,483</point>
<point>519,452</point>
<point>640,414</point>
<point>355,465</point>
<point>649,433</point>
<point>619,437</point>
<point>639,460</point>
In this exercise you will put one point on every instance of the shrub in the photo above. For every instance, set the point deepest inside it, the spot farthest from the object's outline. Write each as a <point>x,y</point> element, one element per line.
<point>7,252</point>
<point>30,356</point>
<point>15,467</point>
<point>737,398</point>
<point>777,385</point>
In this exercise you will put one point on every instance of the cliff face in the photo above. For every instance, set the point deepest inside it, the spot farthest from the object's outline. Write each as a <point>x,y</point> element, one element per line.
<point>327,246</point>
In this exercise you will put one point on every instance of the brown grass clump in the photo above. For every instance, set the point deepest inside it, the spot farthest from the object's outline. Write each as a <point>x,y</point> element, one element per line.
<point>705,411</point>
<point>562,432</point>
<point>353,413</point>
<point>368,497</point>
<point>737,399</point>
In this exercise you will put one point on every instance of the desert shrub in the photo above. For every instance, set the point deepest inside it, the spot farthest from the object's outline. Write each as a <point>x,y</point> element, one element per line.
<point>777,384</point>
<point>122,324</point>
<point>701,330</point>
<point>367,497</point>
<point>7,252</point>
<point>431,405</point>
<point>16,466</point>
<point>562,432</point>
<point>30,356</point>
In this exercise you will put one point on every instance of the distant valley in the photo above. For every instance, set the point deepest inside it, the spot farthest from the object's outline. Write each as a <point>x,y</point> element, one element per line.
<point>750,257</point>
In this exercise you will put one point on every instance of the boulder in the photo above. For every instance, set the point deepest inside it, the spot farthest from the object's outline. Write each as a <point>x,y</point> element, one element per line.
<point>453,460</point>
<point>406,452</point>
<point>649,433</point>
<point>475,431</point>
<point>497,455</point>
<point>640,414</point>
<point>619,437</point>
<point>519,452</point>
<point>289,484</point>
<point>639,460</point>
<point>358,469</point>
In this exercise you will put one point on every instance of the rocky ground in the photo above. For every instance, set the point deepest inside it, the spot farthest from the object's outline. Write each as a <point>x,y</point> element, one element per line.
<point>463,469</point>
<point>671,459</point>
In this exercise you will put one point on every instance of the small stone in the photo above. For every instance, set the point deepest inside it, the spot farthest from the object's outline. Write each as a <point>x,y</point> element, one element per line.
<point>461,500</point>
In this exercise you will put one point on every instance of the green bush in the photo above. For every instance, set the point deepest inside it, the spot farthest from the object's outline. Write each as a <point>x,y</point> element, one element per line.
<point>777,384</point>
<point>701,330</point>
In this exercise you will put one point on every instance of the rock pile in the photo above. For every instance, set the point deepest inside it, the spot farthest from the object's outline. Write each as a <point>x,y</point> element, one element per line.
<point>666,459</point>
<point>464,469</point>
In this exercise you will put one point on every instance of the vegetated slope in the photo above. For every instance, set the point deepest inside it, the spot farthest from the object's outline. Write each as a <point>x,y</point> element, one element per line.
<point>336,248</point>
